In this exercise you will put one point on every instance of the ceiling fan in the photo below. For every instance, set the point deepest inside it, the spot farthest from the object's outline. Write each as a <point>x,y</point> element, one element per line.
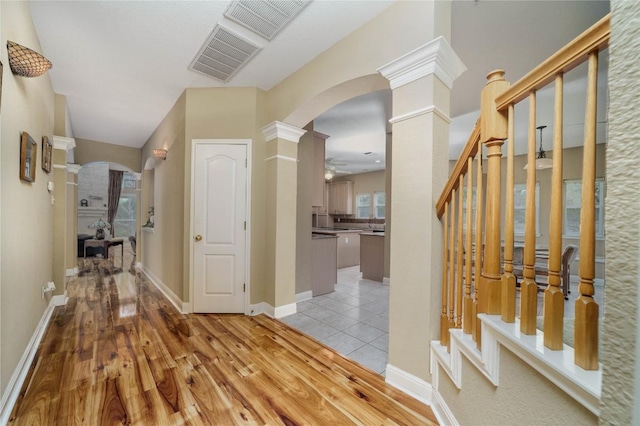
<point>331,168</point>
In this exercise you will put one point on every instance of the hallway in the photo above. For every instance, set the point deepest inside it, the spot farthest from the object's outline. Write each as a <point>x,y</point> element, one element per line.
<point>119,353</point>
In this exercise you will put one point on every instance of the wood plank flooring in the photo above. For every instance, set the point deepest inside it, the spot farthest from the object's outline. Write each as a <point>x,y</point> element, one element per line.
<point>119,353</point>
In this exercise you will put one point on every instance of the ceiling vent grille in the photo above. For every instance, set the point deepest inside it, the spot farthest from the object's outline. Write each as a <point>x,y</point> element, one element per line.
<point>267,17</point>
<point>223,54</point>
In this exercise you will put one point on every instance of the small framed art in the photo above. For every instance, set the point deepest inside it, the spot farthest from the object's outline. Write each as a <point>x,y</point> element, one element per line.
<point>28,152</point>
<point>47,151</point>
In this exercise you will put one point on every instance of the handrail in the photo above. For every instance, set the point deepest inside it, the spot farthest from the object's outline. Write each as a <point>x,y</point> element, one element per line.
<point>565,59</point>
<point>470,150</point>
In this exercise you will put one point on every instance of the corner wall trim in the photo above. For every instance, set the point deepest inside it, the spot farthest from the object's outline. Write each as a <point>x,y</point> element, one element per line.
<point>12,391</point>
<point>282,157</point>
<point>421,111</point>
<point>168,293</point>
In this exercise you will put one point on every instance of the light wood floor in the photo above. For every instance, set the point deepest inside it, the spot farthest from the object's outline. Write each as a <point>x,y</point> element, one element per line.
<point>119,353</point>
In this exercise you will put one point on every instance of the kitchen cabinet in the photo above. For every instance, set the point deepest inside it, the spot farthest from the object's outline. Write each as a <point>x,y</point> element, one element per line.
<point>318,183</point>
<point>348,252</point>
<point>341,198</point>
<point>323,210</point>
<point>372,255</point>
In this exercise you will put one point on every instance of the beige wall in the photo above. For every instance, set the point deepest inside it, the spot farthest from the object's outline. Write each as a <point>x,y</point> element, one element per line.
<point>524,396</point>
<point>59,178</point>
<point>161,251</point>
<point>620,336</point>
<point>27,214</point>
<point>88,151</point>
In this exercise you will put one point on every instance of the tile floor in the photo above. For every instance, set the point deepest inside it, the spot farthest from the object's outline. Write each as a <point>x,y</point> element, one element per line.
<point>353,320</point>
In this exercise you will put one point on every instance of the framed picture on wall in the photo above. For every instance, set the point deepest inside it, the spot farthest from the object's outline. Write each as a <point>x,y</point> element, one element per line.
<point>47,151</point>
<point>28,152</point>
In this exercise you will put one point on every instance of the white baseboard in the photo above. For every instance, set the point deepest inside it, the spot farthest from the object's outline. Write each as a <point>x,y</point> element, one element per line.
<point>442,411</point>
<point>422,391</point>
<point>305,295</point>
<point>169,294</point>
<point>409,384</point>
<point>285,310</point>
<point>60,299</point>
<point>71,272</point>
<point>261,308</point>
<point>277,312</point>
<point>12,391</point>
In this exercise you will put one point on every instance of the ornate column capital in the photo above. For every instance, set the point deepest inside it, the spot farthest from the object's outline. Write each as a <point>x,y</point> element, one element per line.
<point>436,57</point>
<point>280,130</point>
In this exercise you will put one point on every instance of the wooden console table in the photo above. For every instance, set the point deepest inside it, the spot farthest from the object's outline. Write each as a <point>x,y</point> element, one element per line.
<point>105,244</point>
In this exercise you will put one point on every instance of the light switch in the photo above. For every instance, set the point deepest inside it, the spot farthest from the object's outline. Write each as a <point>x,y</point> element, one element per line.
<point>50,186</point>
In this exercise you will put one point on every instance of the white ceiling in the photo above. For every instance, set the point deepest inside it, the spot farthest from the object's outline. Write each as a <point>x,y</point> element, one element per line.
<point>123,64</point>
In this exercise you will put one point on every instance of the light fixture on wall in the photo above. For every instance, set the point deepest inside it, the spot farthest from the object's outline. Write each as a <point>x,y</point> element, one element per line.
<point>542,162</point>
<point>26,62</point>
<point>328,174</point>
<point>160,154</point>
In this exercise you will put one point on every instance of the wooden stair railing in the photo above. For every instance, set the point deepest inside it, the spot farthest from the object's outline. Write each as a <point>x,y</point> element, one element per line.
<point>485,286</point>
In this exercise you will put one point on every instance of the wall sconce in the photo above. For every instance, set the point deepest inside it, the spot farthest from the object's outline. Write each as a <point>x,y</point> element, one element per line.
<point>160,154</point>
<point>26,62</point>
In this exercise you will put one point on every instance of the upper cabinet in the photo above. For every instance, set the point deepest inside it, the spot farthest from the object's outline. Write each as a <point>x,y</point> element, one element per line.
<point>317,194</point>
<point>341,197</point>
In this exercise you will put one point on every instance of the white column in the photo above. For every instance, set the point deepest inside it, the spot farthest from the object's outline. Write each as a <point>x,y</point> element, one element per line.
<point>421,82</point>
<point>282,180</point>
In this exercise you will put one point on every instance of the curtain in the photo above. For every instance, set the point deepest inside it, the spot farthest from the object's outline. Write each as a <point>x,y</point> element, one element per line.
<point>115,187</point>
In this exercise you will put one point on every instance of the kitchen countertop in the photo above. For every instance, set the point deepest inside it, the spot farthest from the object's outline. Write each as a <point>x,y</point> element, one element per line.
<point>333,231</point>
<point>315,236</point>
<point>373,234</point>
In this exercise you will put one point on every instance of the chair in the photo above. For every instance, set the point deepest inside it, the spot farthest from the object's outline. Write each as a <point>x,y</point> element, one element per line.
<point>568,255</point>
<point>132,240</point>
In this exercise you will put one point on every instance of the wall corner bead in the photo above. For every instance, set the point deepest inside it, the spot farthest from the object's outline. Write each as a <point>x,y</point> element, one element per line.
<point>280,130</point>
<point>435,57</point>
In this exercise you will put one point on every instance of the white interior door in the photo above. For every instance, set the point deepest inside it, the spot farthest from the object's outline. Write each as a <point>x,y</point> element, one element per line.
<point>219,244</point>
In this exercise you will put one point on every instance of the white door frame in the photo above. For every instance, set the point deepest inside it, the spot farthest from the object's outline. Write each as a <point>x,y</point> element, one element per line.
<point>247,266</point>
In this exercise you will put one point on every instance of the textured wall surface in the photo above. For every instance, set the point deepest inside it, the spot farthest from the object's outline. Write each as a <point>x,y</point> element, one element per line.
<point>622,219</point>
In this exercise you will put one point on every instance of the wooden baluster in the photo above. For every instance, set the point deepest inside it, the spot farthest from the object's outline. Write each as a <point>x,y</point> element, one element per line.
<point>459,257</point>
<point>528,287</point>
<point>553,295</point>
<point>468,302</point>
<point>493,133</point>
<point>586,322</point>
<point>444,321</point>
<point>452,261</point>
<point>477,265</point>
<point>508,299</point>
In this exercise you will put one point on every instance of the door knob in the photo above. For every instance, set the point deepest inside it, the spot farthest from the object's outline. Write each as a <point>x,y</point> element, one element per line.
<point>198,237</point>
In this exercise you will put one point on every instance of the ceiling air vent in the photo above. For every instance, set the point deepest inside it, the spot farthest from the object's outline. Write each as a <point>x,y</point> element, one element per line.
<point>265,18</point>
<point>223,54</point>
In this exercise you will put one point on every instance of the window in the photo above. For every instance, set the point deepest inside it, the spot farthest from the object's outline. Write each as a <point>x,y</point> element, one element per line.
<point>363,206</point>
<point>125,221</point>
<point>519,207</point>
<point>379,202</point>
<point>572,206</point>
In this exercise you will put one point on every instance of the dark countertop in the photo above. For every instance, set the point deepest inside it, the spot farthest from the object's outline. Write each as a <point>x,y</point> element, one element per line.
<point>334,231</point>
<point>373,234</point>
<point>315,236</point>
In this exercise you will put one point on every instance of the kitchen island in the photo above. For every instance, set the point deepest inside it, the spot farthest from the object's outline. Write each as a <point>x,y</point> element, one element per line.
<point>348,244</point>
<point>324,271</point>
<point>372,255</point>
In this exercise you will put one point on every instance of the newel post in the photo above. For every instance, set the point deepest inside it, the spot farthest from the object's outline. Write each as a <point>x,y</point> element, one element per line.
<point>493,132</point>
